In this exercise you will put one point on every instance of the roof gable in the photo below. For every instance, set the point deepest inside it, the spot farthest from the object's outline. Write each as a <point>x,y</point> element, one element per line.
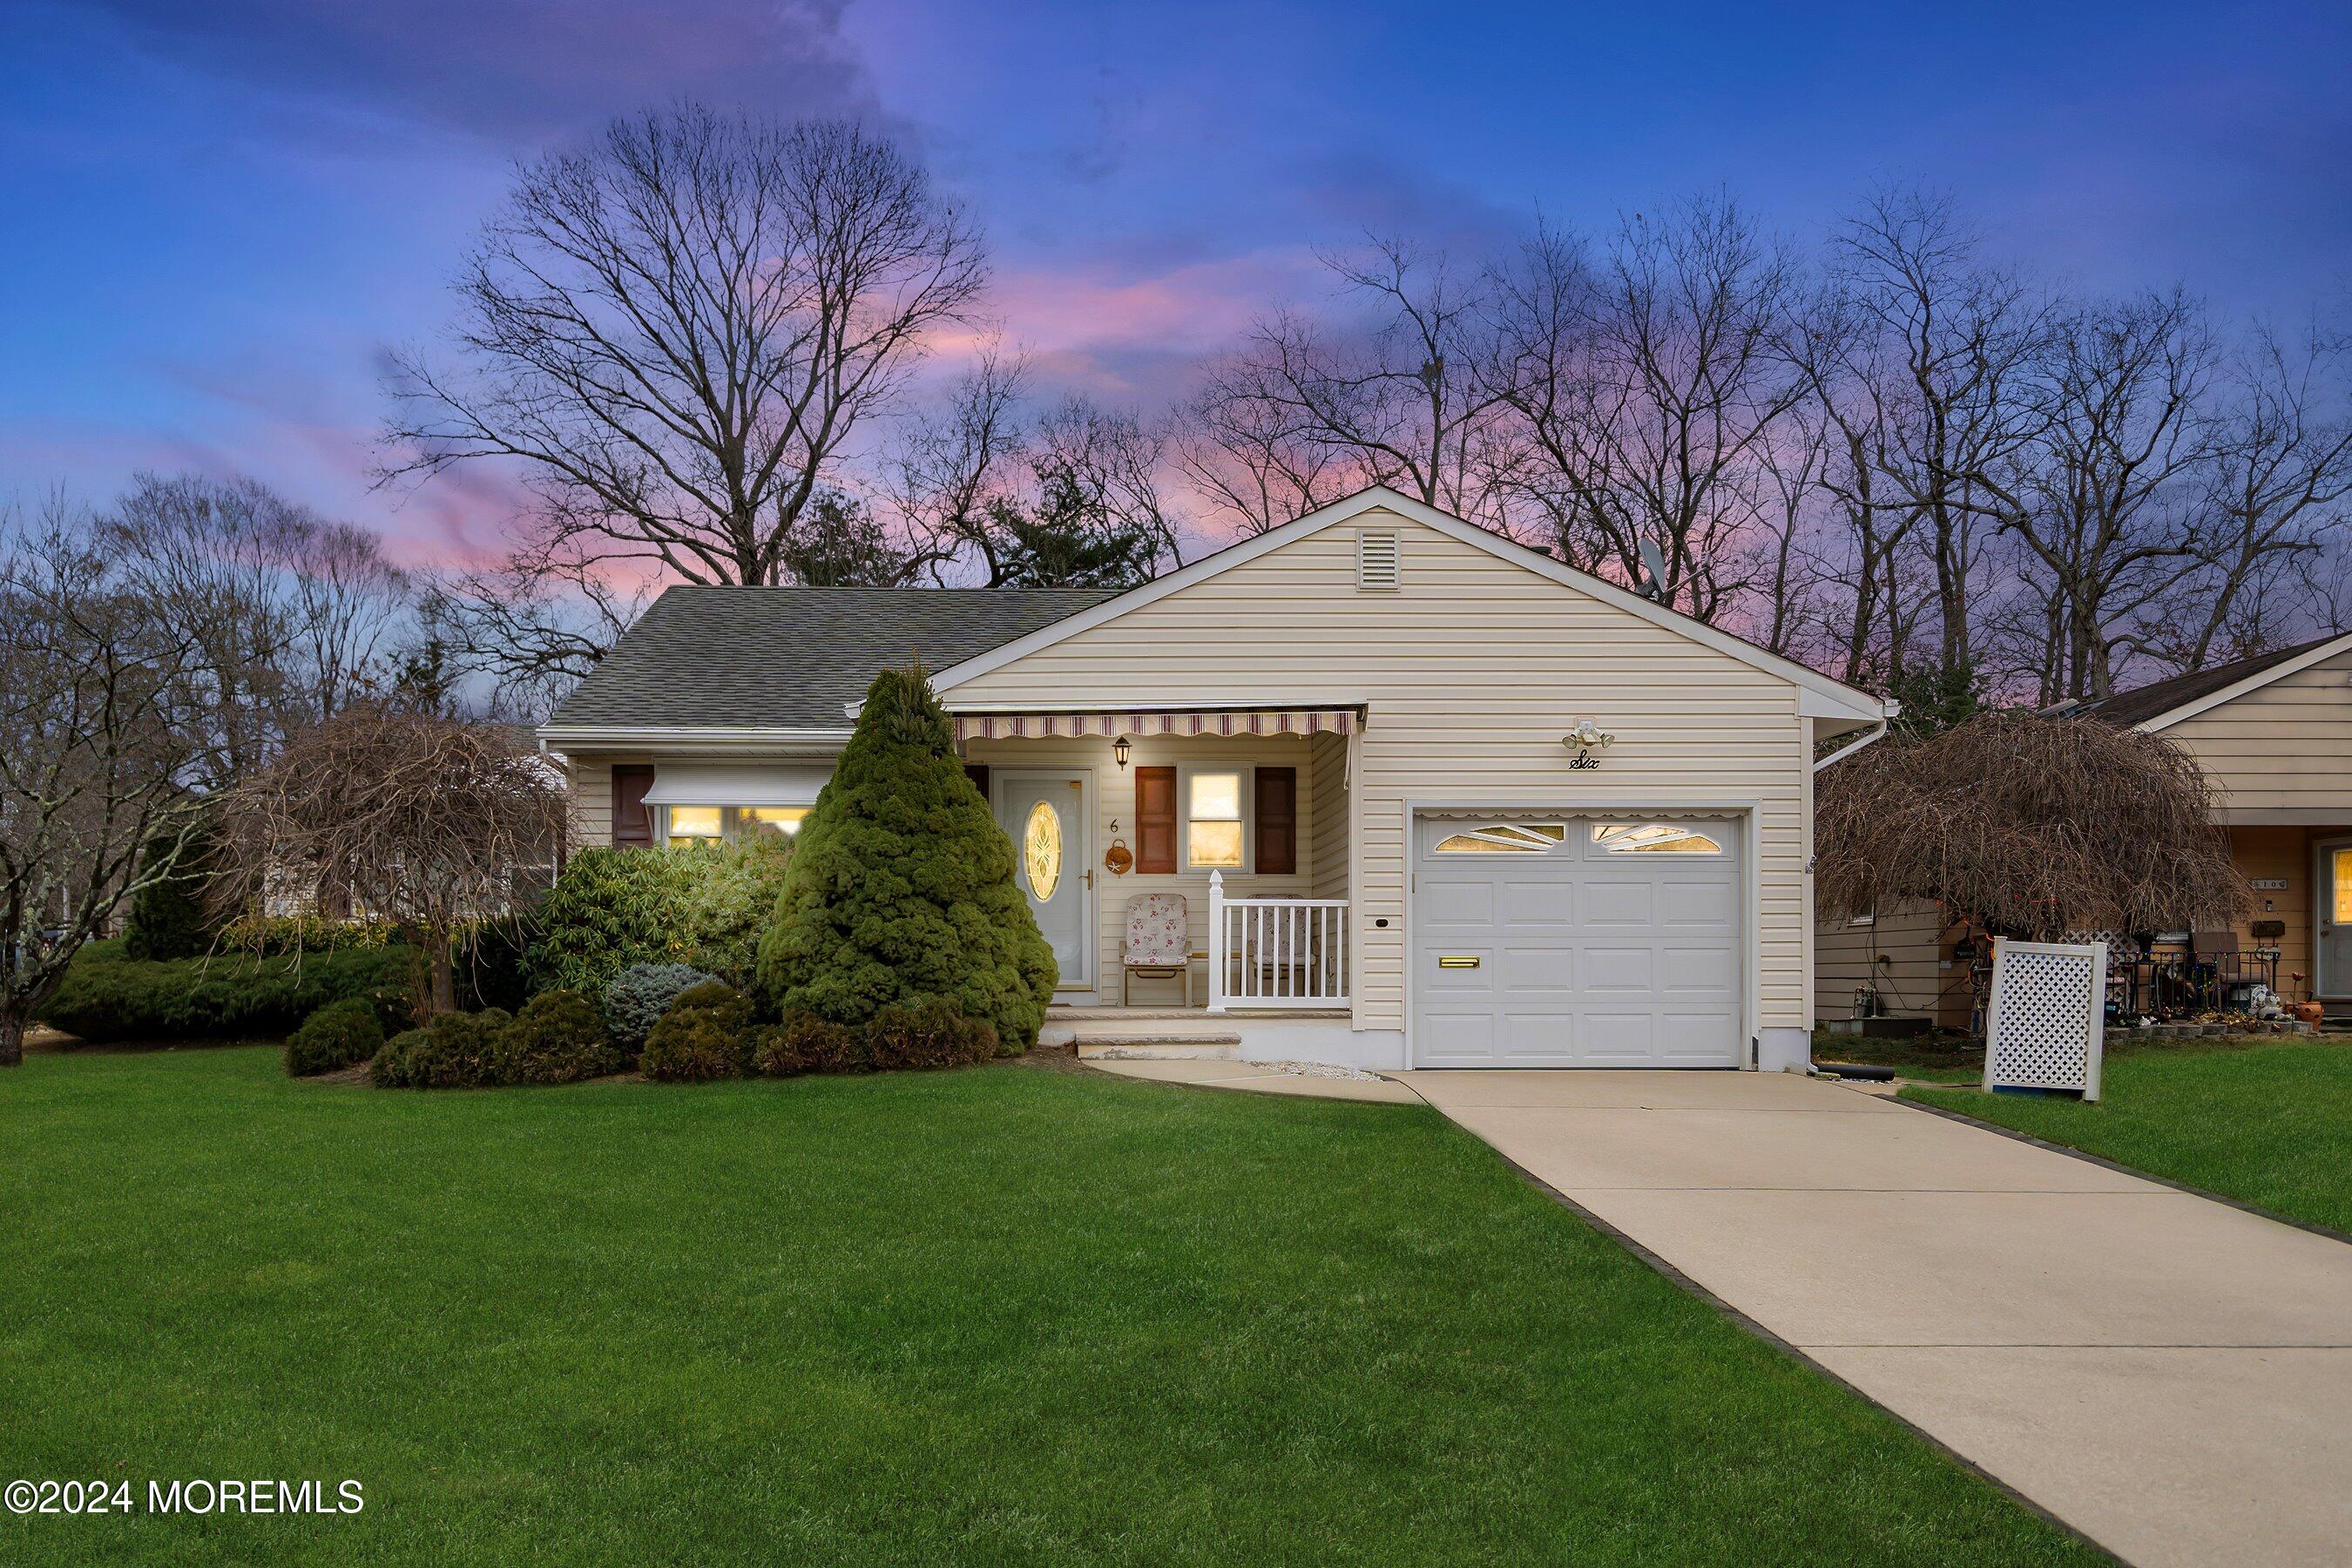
<point>2161,704</point>
<point>1822,698</point>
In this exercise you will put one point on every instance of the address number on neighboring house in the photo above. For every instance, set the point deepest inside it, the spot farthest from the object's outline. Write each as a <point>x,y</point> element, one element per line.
<point>2270,884</point>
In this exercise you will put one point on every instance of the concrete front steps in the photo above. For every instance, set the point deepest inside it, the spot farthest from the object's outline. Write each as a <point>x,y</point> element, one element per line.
<point>1166,1033</point>
<point>1149,1047</point>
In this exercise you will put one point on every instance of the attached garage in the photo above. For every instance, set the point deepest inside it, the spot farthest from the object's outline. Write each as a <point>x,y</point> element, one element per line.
<point>1572,942</point>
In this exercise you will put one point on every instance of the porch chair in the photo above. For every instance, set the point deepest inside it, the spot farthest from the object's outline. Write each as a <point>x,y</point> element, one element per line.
<point>1158,941</point>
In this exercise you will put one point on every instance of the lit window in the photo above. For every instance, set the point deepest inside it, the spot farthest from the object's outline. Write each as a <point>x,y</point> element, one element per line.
<point>1213,821</point>
<point>773,820</point>
<point>1505,838</point>
<point>1653,838</point>
<point>693,824</point>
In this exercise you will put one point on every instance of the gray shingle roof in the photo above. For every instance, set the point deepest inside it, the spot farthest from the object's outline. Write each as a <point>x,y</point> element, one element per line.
<point>2161,696</point>
<point>791,657</point>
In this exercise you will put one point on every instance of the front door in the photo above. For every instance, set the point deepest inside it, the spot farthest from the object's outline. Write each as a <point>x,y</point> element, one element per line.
<point>2332,884</point>
<point>1044,814</point>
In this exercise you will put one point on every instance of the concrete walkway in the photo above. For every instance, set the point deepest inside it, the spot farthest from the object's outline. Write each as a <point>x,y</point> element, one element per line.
<point>2170,1375</point>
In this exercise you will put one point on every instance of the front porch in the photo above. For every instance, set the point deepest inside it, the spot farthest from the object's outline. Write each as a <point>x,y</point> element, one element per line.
<point>1222,836</point>
<point>2302,918</point>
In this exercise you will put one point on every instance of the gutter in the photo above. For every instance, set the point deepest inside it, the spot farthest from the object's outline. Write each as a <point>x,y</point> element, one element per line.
<point>563,738</point>
<point>1877,732</point>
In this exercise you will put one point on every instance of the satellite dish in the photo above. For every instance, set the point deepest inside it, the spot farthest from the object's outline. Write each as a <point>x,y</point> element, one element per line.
<point>1654,573</point>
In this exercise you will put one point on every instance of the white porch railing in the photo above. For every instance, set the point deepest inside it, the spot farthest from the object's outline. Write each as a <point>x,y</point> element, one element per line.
<point>1275,953</point>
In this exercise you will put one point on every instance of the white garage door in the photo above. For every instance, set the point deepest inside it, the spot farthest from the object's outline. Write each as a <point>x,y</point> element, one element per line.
<point>1545,941</point>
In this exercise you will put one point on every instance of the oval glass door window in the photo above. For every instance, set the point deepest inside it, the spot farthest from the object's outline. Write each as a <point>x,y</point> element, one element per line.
<point>1041,850</point>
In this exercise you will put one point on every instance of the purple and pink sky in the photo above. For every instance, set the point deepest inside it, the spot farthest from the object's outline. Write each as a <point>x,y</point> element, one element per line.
<point>218,214</point>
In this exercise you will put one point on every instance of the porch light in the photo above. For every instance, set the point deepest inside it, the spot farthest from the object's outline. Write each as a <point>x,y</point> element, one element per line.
<point>1119,747</point>
<point>1586,738</point>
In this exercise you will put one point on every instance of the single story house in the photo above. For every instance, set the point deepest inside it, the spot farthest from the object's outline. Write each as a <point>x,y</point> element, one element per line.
<point>2274,735</point>
<point>1429,797</point>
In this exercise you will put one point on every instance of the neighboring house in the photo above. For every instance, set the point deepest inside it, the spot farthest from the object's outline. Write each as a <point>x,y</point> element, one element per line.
<point>2274,735</point>
<point>1342,744</point>
<point>1906,955</point>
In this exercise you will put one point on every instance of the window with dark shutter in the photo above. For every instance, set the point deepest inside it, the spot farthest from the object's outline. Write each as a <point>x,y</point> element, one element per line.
<point>978,774</point>
<point>633,820</point>
<point>1278,821</point>
<point>1155,820</point>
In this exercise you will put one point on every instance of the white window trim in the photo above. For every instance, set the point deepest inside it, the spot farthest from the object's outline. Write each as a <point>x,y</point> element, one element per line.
<point>1184,772</point>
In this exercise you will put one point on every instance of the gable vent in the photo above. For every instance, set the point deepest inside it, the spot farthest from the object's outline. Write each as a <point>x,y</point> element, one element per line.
<point>1379,559</point>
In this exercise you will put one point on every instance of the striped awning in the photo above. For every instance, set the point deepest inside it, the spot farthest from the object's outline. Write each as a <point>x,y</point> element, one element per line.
<point>1158,722</point>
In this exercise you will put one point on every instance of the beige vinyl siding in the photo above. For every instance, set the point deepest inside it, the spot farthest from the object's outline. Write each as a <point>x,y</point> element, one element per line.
<point>1913,981</point>
<point>2282,753</point>
<point>1471,672</point>
<point>1324,852</point>
<point>592,799</point>
<point>1114,795</point>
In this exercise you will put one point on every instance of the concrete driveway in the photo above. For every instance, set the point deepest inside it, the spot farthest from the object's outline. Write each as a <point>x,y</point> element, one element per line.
<point>2170,1375</point>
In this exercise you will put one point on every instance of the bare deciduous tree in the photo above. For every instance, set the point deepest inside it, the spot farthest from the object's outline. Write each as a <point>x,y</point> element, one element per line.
<point>1792,465</point>
<point>1248,456</point>
<point>535,631</point>
<point>2105,500</point>
<point>1649,384</point>
<point>1400,393</point>
<point>421,818</point>
<point>676,331</point>
<point>1936,365</point>
<point>2279,472</point>
<point>1070,499</point>
<point>95,748</point>
<point>287,616</point>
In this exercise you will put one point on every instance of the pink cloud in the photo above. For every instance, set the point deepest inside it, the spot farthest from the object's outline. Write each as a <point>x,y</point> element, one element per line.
<point>1130,337</point>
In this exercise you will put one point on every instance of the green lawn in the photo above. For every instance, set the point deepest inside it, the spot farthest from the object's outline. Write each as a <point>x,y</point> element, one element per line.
<point>2268,1124</point>
<point>1003,1314</point>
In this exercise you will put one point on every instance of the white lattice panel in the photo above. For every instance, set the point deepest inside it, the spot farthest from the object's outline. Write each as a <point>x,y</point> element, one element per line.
<point>2047,1020</point>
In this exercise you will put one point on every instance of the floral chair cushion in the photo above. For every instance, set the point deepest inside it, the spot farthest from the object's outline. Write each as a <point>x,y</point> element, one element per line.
<point>1156,930</point>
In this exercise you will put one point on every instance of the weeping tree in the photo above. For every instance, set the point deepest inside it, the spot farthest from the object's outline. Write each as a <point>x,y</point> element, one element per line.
<point>2027,826</point>
<point>431,821</point>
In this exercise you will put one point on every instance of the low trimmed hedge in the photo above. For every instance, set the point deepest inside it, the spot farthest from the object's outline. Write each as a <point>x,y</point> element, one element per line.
<point>106,996</point>
<point>393,1067</point>
<point>706,1035</point>
<point>805,1043</point>
<point>932,1032</point>
<point>453,1050</point>
<point>339,1034</point>
<point>557,1038</point>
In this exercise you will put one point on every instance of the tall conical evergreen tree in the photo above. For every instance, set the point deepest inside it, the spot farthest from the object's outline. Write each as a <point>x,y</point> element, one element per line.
<point>901,886</point>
